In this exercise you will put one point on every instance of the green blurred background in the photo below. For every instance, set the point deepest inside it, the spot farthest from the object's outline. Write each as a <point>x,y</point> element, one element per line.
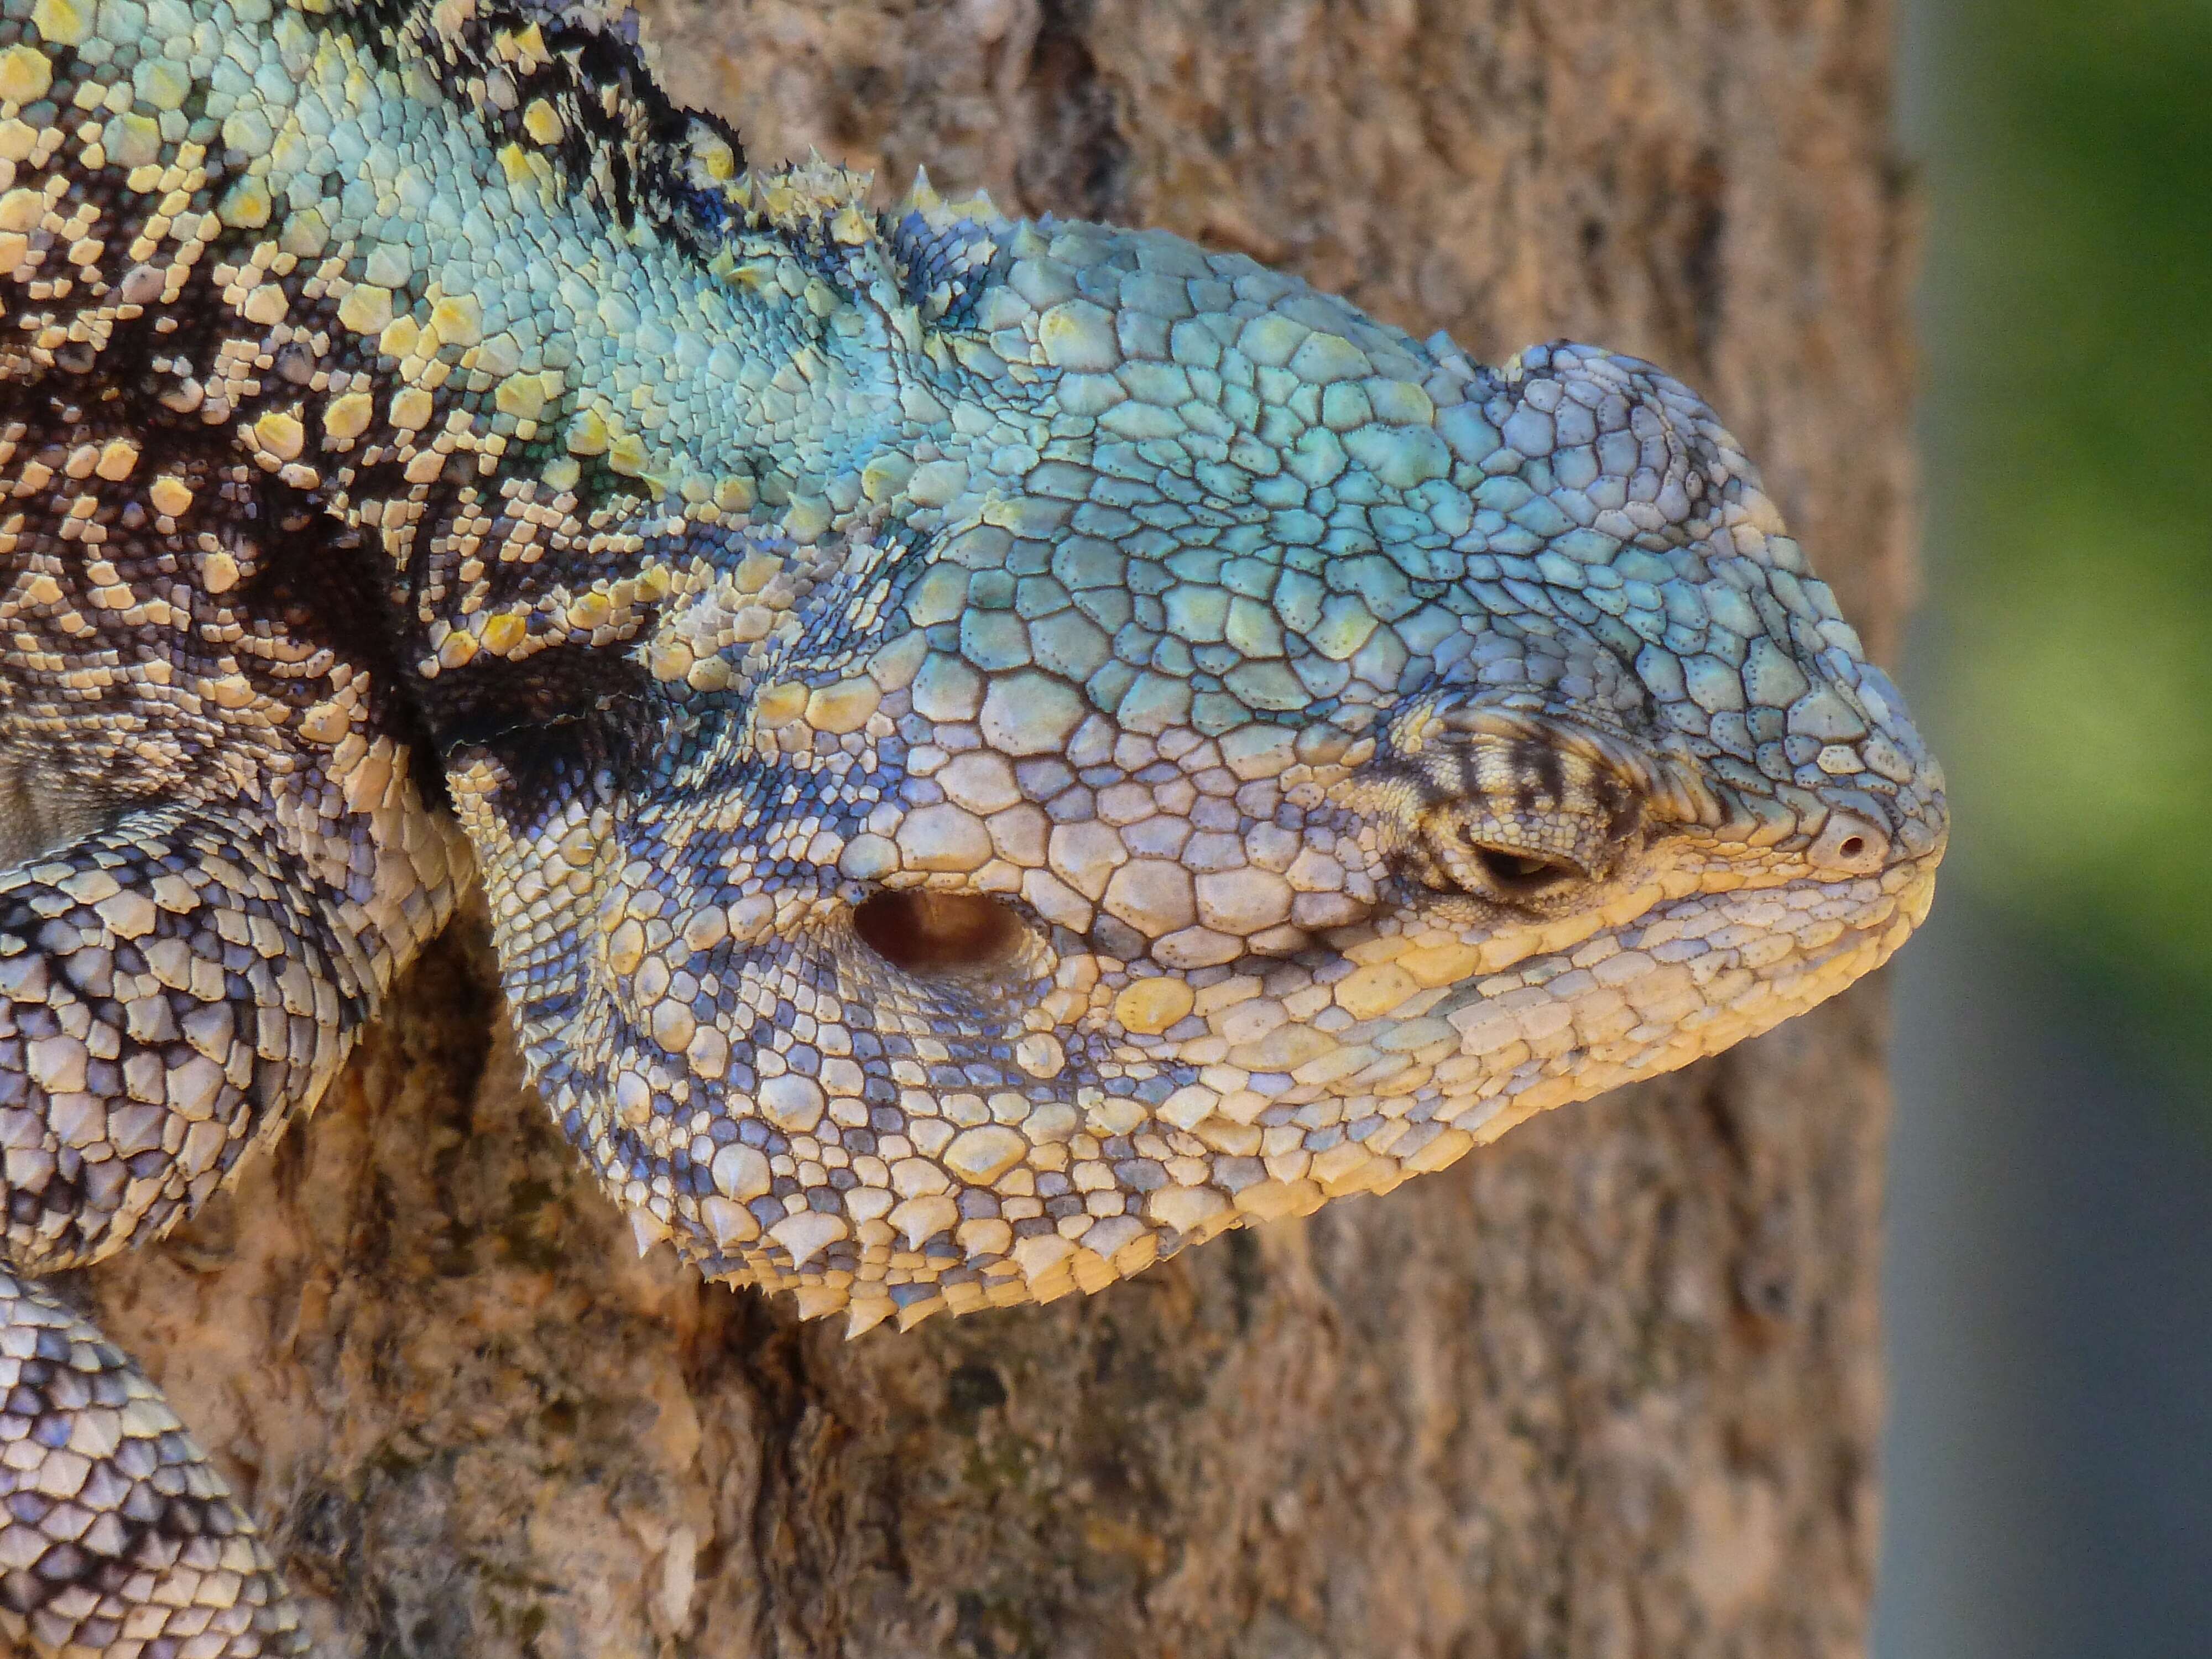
<point>2069,328</point>
<point>2048,1277</point>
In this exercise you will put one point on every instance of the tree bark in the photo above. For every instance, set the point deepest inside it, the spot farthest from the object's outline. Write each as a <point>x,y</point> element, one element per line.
<point>1609,1388</point>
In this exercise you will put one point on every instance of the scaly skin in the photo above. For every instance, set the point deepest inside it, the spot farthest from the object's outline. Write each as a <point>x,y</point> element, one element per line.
<point>997,750</point>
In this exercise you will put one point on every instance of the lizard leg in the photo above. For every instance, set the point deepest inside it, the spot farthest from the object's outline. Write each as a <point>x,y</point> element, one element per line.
<point>119,1538</point>
<point>171,987</point>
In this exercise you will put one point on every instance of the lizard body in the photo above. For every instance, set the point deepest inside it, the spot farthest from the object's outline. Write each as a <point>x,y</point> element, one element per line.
<point>995,749</point>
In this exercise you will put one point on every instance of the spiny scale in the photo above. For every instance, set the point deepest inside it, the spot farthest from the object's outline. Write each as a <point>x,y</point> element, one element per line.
<point>997,750</point>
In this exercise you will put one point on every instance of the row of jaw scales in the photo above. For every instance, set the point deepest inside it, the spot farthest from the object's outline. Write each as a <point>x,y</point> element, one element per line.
<point>996,750</point>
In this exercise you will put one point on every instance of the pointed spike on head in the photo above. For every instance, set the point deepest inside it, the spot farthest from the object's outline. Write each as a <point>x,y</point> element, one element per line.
<point>1446,350</point>
<point>978,208</point>
<point>712,154</point>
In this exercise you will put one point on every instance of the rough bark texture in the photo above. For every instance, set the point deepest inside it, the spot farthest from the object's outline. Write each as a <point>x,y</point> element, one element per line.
<point>1608,1389</point>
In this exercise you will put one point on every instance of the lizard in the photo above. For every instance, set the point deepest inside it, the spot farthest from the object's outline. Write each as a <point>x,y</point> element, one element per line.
<point>994,750</point>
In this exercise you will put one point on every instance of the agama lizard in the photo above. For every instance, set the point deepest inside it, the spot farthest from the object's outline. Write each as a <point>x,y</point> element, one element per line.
<point>995,751</point>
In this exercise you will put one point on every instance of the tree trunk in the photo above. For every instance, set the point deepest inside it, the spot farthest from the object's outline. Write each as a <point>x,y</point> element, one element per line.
<point>1610,1388</point>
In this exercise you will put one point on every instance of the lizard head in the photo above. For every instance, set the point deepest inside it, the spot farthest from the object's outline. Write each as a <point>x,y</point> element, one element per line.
<point>1149,748</point>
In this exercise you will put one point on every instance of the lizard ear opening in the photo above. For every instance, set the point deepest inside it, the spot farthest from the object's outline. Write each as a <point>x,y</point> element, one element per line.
<point>1516,873</point>
<point>939,933</point>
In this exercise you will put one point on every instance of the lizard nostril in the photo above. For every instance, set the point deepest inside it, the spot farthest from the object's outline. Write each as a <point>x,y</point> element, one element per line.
<point>924,933</point>
<point>1849,846</point>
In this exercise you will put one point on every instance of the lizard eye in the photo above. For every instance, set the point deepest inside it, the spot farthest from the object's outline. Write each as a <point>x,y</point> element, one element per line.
<point>940,934</point>
<point>1528,819</point>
